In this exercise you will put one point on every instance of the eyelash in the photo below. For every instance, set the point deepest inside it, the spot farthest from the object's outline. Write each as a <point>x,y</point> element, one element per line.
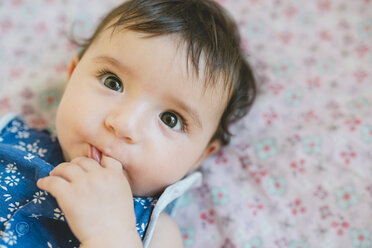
<point>103,72</point>
<point>184,124</point>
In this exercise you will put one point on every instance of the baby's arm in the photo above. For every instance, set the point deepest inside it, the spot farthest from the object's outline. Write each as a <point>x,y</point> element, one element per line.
<point>166,233</point>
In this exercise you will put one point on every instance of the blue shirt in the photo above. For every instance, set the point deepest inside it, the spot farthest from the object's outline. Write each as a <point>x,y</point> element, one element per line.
<point>30,217</point>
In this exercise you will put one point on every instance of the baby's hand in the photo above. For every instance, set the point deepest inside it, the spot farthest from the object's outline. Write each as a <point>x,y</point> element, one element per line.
<point>95,199</point>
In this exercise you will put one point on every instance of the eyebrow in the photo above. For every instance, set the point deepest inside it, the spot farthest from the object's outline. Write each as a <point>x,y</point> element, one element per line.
<point>191,112</point>
<point>114,62</point>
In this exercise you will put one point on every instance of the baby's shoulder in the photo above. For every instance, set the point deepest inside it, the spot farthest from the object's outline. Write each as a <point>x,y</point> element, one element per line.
<point>12,125</point>
<point>14,130</point>
<point>6,119</point>
<point>16,134</point>
<point>166,233</point>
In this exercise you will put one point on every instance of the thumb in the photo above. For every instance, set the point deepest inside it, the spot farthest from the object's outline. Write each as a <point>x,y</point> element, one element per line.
<point>111,163</point>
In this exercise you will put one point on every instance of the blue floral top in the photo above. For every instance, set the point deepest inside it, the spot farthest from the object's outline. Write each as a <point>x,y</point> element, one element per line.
<point>30,217</point>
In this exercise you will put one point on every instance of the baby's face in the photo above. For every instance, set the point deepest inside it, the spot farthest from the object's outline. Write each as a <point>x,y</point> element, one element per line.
<point>131,98</point>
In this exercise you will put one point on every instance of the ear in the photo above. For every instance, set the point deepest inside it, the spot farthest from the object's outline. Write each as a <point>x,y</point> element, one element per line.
<point>72,66</point>
<point>211,148</point>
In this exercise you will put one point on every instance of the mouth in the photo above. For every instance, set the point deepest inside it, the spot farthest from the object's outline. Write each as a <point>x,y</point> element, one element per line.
<point>95,154</point>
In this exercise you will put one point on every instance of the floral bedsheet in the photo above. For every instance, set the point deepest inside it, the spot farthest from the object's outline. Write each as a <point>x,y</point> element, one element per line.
<point>298,172</point>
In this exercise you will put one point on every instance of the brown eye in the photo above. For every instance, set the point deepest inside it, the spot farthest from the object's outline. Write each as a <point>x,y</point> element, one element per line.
<point>113,83</point>
<point>171,120</point>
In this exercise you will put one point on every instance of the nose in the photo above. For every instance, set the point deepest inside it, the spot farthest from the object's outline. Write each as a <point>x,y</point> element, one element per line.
<point>126,122</point>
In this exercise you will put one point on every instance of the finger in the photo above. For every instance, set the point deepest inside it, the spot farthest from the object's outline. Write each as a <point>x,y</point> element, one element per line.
<point>111,163</point>
<point>67,171</point>
<point>86,164</point>
<point>56,186</point>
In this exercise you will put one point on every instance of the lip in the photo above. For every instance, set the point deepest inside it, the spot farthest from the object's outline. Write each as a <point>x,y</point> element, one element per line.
<point>95,153</point>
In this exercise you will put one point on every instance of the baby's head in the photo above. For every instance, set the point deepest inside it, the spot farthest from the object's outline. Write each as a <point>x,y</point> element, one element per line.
<point>156,87</point>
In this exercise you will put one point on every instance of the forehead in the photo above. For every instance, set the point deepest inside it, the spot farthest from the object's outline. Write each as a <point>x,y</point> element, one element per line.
<point>169,48</point>
<point>195,64</point>
<point>161,64</point>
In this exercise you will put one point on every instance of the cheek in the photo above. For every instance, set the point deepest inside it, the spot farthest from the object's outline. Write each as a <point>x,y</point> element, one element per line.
<point>77,103</point>
<point>75,115</point>
<point>177,160</point>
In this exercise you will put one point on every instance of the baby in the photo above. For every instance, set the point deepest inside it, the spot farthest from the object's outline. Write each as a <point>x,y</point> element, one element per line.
<point>150,96</point>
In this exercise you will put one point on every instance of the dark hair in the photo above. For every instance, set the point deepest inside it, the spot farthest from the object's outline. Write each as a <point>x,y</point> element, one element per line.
<point>210,35</point>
